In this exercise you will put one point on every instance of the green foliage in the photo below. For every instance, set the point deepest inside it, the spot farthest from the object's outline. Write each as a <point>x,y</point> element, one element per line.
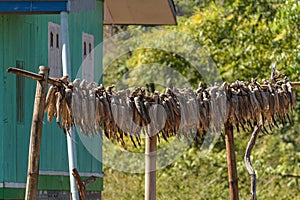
<point>244,39</point>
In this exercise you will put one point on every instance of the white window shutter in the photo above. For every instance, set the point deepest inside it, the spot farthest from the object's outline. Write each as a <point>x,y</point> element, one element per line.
<point>54,50</point>
<point>88,57</point>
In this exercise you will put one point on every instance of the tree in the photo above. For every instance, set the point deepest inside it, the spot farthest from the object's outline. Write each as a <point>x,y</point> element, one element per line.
<point>243,40</point>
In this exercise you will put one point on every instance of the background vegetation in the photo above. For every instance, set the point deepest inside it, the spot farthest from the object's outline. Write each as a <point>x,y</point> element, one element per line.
<point>244,39</point>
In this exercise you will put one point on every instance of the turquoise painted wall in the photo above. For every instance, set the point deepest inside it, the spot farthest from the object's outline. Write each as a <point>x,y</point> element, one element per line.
<point>1,105</point>
<point>25,38</point>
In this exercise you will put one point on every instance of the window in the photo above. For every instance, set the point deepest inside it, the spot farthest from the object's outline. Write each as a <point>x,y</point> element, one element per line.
<point>20,93</point>
<point>54,50</point>
<point>51,39</point>
<point>90,47</point>
<point>57,40</point>
<point>84,49</point>
<point>87,57</point>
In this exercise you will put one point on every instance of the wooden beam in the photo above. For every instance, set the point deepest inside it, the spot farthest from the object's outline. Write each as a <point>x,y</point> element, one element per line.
<point>36,135</point>
<point>53,81</point>
<point>231,162</point>
<point>34,76</point>
<point>295,84</point>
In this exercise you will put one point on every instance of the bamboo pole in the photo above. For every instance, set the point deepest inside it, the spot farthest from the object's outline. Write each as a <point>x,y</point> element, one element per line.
<point>231,162</point>
<point>150,167</point>
<point>36,135</point>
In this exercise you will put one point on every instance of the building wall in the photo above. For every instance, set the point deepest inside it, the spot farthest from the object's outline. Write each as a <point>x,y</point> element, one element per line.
<point>24,38</point>
<point>1,106</point>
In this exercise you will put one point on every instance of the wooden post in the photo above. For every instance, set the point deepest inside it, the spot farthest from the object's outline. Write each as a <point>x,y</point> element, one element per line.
<point>150,167</point>
<point>231,162</point>
<point>36,135</point>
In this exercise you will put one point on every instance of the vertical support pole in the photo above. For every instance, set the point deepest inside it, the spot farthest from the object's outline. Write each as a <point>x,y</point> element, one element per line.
<point>36,135</point>
<point>231,162</point>
<point>67,71</point>
<point>150,167</point>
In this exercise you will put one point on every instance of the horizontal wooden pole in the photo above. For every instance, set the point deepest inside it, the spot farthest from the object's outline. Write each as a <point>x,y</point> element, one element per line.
<point>25,73</point>
<point>32,75</point>
<point>53,81</point>
<point>295,84</point>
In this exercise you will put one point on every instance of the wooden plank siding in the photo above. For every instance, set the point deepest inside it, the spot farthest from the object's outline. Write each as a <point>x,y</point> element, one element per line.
<point>25,38</point>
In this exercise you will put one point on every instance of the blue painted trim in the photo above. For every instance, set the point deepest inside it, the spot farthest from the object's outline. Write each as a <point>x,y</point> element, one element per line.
<point>32,6</point>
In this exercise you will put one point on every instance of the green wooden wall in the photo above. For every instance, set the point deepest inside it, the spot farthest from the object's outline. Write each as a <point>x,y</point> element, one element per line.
<point>25,38</point>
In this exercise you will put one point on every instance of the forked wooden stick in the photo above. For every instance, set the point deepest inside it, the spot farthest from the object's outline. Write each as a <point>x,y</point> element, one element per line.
<point>80,185</point>
<point>249,167</point>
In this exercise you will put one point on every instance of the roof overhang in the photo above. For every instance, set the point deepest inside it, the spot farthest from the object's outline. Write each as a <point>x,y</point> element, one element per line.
<point>45,6</point>
<point>32,6</point>
<point>139,12</point>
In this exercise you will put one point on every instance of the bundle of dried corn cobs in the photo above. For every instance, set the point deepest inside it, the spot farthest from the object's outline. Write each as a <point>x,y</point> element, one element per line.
<point>181,112</point>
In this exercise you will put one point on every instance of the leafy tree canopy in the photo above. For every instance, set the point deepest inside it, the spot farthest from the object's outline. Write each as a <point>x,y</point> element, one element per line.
<point>244,39</point>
